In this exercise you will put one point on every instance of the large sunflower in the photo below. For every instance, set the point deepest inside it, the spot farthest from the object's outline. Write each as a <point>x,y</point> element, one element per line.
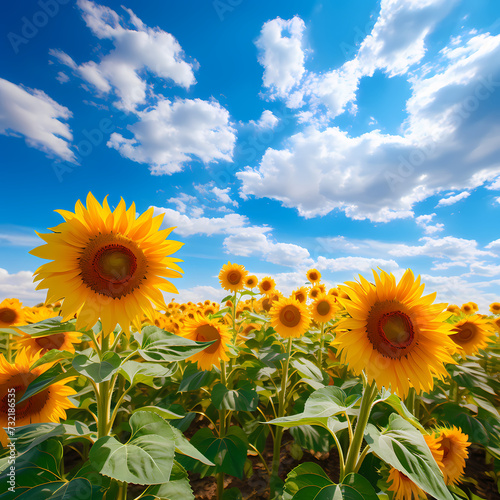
<point>472,333</point>
<point>107,264</point>
<point>403,487</point>
<point>395,335</point>
<point>62,341</point>
<point>203,329</point>
<point>232,277</point>
<point>323,308</point>
<point>48,405</point>
<point>11,313</point>
<point>289,317</point>
<point>453,444</point>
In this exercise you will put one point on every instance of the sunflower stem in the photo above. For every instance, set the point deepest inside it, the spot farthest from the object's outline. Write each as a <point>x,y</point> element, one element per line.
<point>321,342</point>
<point>410,400</point>
<point>103,397</point>
<point>364,413</point>
<point>9,348</point>
<point>222,430</point>
<point>281,412</point>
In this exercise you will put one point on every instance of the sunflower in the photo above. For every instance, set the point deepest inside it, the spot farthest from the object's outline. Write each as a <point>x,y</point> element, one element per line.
<point>48,405</point>
<point>251,281</point>
<point>267,302</point>
<point>315,292</point>
<point>232,277</point>
<point>107,265</point>
<point>300,294</point>
<point>495,308</point>
<point>454,309</point>
<point>62,341</point>
<point>313,275</point>
<point>467,308</point>
<point>11,313</point>
<point>395,335</point>
<point>250,327</point>
<point>37,314</point>
<point>203,329</point>
<point>267,285</point>
<point>290,318</point>
<point>453,444</point>
<point>323,308</point>
<point>403,487</point>
<point>472,333</point>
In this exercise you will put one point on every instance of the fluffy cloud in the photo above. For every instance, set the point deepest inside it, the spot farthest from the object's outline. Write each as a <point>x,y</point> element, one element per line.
<point>424,222</point>
<point>223,196</point>
<point>268,120</point>
<point>358,264</point>
<point>171,134</point>
<point>137,49</point>
<point>32,114</point>
<point>20,286</point>
<point>450,200</point>
<point>196,294</point>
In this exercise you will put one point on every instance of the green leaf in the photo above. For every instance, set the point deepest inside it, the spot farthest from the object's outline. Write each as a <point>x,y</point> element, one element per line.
<point>178,488</point>
<point>46,379</point>
<point>145,373</point>
<point>319,409</point>
<point>404,448</point>
<point>96,369</point>
<point>52,356</point>
<point>48,327</point>
<point>309,370</point>
<point>395,402</point>
<point>193,381</point>
<point>146,458</point>
<point>166,414</point>
<point>158,345</point>
<point>184,447</point>
<point>242,399</point>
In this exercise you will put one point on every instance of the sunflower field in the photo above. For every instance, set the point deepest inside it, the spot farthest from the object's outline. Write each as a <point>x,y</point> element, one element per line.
<point>369,390</point>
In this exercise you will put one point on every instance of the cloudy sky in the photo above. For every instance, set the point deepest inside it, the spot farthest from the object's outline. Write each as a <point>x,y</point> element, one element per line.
<point>279,135</point>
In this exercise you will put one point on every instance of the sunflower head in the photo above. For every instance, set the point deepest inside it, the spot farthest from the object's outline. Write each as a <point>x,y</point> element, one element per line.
<point>48,405</point>
<point>62,341</point>
<point>203,329</point>
<point>403,487</point>
<point>11,313</point>
<point>454,309</point>
<point>300,294</point>
<point>468,308</point>
<point>472,333</point>
<point>267,285</point>
<point>315,292</point>
<point>290,318</point>
<point>313,276</point>
<point>37,314</point>
<point>107,264</point>
<point>395,335</point>
<point>495,307</point>
<point>232,277</point>
<point>453,445</point>
<point>251,281</point>
<point>323,308</point>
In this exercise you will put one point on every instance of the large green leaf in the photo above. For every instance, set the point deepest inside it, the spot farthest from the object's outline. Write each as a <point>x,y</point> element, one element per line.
<point>194,379</point>
<point>158,345</point>
<point>48,327</point>
<point>178,488</point>
<point>241,399</point>
<point>145,373</point>
<point>184,447</point>
<point>310,373</point>
<point>404,448</point>
<point>99,370</point>
<point>228,453</point>
<point>166,414</point>
<point>79,488</point>
<point>319,409</point>
<point>395,402</point>
<point>309,481</point>
<point>146,458</point>
<point>52,356</point>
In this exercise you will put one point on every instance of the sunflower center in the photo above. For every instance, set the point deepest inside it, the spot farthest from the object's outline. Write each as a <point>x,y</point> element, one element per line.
<point>49,342</point>
<point>313,277</point>
<point>396,328</point>
<point>464,333</point>
<point>7,315</point>
<point>445,446</point>
<point>266,285</point>
<point>207,333</point>
<point>267,304</point>
<point>234,277</point>
<point>314,293</point>
<point>112,265</point>
<point>290,316</point>
<point>323,308</point>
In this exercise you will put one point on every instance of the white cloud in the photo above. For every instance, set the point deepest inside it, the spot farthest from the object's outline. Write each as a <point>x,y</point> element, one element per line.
<point>32,114</point>
<point>424,222</point>
<point>281,54</point>
<point>171,134</point>
<point>268,120</point>
<point>223,196</point>
<point>20,286</point>
<point>494,245</point>
<point>358,264</point>
<point>182,201</point>
<point>445,202</point>
<point>137,49</point>
<point>188,226</point>
<point>196,294</point>
<point>62,77</point>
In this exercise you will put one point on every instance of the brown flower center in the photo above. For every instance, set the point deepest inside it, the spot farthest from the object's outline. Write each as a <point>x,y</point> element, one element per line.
<point>207,333</point>
<point>112,265</point>
<point>8,315</point>
<point>323,308</point>
<point>48,342</point>
<point>234,277</point>
<point>465,333</point>
<point>314,293</point>
<point>445,446</point>
<point>300,297</point>
<point>266,286</point>
<point>290,316</point>
<point>313,277</point>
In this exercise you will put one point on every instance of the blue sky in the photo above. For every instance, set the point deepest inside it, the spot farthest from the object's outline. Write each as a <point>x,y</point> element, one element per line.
<point>279,135</point>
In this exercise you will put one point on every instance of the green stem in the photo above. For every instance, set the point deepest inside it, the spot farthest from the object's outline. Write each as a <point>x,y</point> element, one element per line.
<point>103,397</point>
<point>281,412</point>
<point>321,342</point>
<point>222,431</point>
<point>364,413</point>
<point>410,400</point>
<point>122,491</point>
<point>9,348</point>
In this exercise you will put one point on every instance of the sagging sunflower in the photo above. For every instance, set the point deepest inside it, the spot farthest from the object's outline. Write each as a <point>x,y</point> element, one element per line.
<point>323,308</point>
<point>313,275</point>
<point>300,294</point>
<point>472,333</point>
<point>267,285</point>
<point>62,341</point>
<point>453,444</point>
<point>11,313</point>
<point>232,277</point>
<point>403,487</point>
<point>289,317</point>
<point>107,264</point>
<point>395,335</point>
<point>203,329</point>
<point>49,405</point>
